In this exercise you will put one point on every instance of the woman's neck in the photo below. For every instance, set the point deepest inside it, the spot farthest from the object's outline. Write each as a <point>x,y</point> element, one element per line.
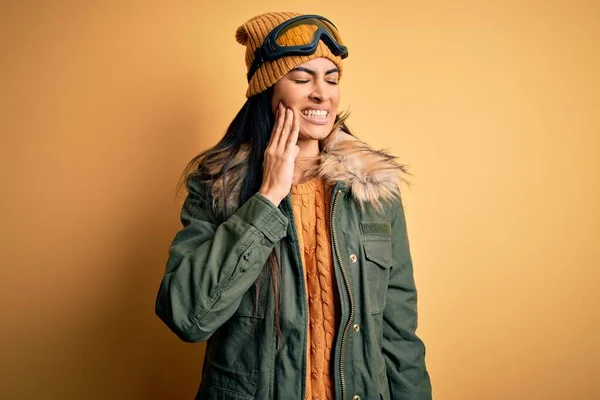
<point>307,158</point>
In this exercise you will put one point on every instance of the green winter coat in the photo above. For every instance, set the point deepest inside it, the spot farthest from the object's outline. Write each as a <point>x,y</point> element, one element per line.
<point>206,293</point>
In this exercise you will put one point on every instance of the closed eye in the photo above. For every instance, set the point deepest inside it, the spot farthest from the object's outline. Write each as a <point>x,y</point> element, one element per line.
<point>301,81</point>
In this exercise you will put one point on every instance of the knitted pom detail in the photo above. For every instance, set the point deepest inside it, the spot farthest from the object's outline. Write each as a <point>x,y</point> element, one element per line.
<point>241,35</point>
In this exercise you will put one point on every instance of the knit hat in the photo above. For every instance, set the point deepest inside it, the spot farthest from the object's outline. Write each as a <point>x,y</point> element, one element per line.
<point>252,35</point>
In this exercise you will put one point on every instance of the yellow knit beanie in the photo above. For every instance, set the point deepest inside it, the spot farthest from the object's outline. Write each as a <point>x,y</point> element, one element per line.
<point>254,31</point>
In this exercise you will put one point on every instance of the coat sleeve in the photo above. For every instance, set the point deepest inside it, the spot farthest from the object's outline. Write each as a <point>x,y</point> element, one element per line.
<point>210,266</point>
<point>403,350</point>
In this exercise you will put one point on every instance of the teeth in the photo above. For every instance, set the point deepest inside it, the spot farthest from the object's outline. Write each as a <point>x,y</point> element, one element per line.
<point>315,113</point>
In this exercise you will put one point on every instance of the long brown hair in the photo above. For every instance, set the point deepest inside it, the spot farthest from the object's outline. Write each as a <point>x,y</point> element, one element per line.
<point>251,126</point>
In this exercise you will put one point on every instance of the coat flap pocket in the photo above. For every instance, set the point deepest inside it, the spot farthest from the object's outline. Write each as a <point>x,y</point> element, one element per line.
<point>383,228</point>
<point>379,251</point>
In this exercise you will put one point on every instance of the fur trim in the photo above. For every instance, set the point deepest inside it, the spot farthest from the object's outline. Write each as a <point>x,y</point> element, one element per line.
<point>373,176</point>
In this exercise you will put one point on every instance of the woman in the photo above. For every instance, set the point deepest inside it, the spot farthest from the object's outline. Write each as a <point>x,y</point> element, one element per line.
<point>293,261</point>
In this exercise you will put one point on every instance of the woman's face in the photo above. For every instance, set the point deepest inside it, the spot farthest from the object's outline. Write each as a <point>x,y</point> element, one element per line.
<point>311,90</point>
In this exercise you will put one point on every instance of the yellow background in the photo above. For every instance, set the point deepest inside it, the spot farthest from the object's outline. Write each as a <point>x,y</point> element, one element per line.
<point>494,105</point>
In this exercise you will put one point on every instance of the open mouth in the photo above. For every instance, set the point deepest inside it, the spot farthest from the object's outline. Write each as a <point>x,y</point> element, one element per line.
<point>316,116</point>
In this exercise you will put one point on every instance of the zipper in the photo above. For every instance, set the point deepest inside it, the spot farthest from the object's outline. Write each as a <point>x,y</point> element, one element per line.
<point>290,216</point>
<point>349,293</point>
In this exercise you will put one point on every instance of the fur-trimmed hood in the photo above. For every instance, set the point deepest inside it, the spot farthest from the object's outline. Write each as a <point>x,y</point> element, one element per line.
<point>372,176</point>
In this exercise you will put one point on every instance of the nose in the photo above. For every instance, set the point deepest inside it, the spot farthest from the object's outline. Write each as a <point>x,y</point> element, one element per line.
<point>320,92</point>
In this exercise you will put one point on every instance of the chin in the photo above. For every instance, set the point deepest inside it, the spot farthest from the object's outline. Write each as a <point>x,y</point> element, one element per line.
<point>314,132</point>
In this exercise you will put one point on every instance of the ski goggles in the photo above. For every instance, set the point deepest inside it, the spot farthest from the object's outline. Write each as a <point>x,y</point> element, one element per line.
<point>317,27</point>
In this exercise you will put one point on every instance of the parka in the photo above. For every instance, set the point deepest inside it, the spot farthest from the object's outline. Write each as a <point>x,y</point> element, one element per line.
<point>205,293</point>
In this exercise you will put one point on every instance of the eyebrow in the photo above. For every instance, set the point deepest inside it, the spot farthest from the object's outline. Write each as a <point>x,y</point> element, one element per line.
<point>313,73</point>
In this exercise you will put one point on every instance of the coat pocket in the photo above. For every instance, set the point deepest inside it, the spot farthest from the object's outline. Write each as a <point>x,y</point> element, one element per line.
<point>234,347</point>
<point>378,260</point>
<point>234,351</point>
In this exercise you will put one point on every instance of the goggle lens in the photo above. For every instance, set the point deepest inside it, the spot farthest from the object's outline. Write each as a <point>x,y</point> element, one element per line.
<point>302,32</point>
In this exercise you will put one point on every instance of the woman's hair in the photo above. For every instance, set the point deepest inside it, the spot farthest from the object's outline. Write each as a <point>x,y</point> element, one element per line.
<point>252,126</point>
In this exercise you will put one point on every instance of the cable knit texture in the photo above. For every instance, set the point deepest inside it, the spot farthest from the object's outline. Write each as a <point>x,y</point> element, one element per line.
<point>311,201</point>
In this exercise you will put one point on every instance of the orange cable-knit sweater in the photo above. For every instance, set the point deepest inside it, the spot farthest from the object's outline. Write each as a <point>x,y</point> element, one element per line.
<point>310,201</point>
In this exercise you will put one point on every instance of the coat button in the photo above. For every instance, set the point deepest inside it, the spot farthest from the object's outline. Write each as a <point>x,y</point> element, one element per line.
<point>356,327</point>
<point>356,397</point>
<point>353,257</point>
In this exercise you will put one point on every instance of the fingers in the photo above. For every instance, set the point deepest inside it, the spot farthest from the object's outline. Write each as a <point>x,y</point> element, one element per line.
<point>293,138</point>
<point>287,129</point>
<point>279,120</point>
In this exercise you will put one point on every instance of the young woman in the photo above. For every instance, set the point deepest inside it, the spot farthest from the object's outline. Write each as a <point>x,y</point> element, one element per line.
<point>293,261</point>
